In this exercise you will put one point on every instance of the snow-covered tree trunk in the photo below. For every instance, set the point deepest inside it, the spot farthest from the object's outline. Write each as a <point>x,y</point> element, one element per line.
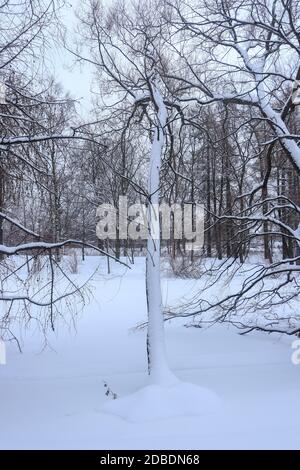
<point>157,362</point>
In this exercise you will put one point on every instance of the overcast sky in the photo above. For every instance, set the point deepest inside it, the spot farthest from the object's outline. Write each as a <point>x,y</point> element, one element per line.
<point>74,78</point>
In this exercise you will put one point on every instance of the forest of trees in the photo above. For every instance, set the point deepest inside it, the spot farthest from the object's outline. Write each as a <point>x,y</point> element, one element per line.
<point>226,72</point>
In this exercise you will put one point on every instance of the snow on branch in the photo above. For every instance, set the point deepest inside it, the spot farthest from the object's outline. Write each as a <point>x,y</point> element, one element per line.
<point>44,246</point>
<point>19,225</point>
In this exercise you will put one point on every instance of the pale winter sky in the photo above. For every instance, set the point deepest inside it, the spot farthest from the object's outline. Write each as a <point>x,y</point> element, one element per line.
<point>74,78</point>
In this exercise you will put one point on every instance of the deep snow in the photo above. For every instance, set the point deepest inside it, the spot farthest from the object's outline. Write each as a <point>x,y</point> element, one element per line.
<point>56,398</point>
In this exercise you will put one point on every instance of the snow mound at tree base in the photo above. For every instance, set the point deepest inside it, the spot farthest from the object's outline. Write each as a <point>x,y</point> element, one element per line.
<point>159,402</point>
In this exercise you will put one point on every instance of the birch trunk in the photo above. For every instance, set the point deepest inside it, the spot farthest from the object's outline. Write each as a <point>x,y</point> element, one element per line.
<point>157,362</point>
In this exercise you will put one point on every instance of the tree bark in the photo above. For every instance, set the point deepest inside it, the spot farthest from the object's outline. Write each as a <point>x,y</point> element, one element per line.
<point>158,368</point>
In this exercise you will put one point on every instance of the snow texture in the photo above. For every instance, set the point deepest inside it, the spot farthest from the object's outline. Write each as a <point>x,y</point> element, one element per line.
<point>155,402</point>
<point>55,398</point>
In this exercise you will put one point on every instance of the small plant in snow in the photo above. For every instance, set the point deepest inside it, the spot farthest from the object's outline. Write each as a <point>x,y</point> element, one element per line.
<point>109,392</point>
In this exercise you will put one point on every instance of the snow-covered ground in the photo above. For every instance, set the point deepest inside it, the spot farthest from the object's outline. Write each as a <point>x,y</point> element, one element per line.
<point>54,399</point>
